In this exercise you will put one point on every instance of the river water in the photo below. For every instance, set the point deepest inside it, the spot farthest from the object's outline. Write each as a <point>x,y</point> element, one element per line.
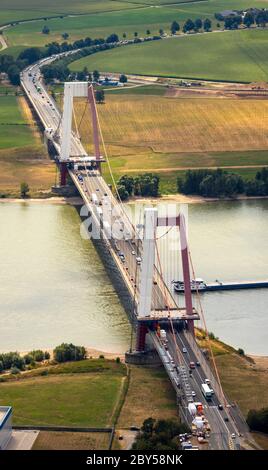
<point>54,288</point>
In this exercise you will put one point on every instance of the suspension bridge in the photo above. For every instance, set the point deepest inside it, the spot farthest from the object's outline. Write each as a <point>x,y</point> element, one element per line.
<point>136,256</point>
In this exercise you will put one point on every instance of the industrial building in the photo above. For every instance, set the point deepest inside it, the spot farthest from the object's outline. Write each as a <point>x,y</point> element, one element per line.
<point>5,426</point>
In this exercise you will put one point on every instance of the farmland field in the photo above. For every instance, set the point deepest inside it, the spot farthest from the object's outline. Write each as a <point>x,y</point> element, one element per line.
<point>230,55</point>
<point>13,10</point>
<point>22,155</point>
<point>116,17</point>
<point>150,133</point>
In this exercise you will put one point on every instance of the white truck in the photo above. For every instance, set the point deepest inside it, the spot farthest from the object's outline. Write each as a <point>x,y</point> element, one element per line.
<point>94,198</point>
<point>163,335</point>
<point>206,390</point>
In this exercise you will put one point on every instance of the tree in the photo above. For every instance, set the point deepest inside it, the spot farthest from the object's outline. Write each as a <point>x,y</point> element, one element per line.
<point>65,36</point>
<point>127,182</point>
<point>207,25</point>
<point>148,32</point>
<point>175,27</point>
<point>123,78</point>
<point>249,19</point>
<point>124,35</point>
<point>112,38</point>
<point>45,30</point>
<point>31,54</point>
<point>99,96</point>
<point>161,32</point>
<point>69,352</point>
<point>122,193</point>
<point>241,351</point>
<point>96,76</point>
<point>261,18</point>
<point>188,26</point>
<point>135,34</point>
<point>24,189</point>
<point>14,74</point>
<point>198,24</point>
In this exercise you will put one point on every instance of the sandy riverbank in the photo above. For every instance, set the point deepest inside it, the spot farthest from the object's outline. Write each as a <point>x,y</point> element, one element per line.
<point>177,198</point>
<point>74,201</point>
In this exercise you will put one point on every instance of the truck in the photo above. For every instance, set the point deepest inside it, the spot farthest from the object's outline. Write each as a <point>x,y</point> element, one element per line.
<point>206,390</point>
<point>163,335</point>
<point>94,198</point>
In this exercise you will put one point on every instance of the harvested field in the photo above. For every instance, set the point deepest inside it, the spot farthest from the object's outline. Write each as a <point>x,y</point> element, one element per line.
<point>56,440</point>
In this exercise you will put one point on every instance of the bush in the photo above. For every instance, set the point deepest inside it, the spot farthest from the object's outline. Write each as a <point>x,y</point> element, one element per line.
<point>15,370</point>
<point>241,351</point>
<point>101,356</point>
<point>118,360</point>
<point>258,420</point>
<point>69,352</point>
<point>1,366</point>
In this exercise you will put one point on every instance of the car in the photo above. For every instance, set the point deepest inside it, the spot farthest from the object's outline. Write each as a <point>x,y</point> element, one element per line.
<point>138,260</point>
<point>184,350</point>
<point>226,419</point>
<point>133,252</point>
<point>233,435</point>
<point>197,363</point>
<point>192,365</point>
<point>193,393</point>
<point>220,406</point>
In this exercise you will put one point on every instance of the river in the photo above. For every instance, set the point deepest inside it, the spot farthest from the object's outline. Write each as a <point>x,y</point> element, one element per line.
<point>54,288</point>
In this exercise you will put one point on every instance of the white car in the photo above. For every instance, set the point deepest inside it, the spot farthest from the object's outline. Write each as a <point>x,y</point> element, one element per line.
<point>193,393</point>
<point>133,252</point>
<point>138,260</point>
<point>233,435</point>
<point>184,350</point>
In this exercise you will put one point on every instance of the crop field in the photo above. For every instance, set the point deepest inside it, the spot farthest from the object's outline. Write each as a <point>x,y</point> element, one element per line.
<point>116,17</point>
<point>13,10</point>
<point>14,130</point>
<point>22,155</point>
<point>150,133</point>
<point>46,399</point>
<point>96,25</point>
<point>231,55</point>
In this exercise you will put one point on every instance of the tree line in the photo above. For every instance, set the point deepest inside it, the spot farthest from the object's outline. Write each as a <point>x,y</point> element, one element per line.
<point>16,363</point>
<point>142,185</point>
<point>252,17</point>
<point>220,183</point>
<point>191,25</point>
<point>13,67</point>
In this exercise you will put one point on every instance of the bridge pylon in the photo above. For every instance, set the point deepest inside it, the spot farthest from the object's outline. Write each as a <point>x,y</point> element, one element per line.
<point>155,306</point>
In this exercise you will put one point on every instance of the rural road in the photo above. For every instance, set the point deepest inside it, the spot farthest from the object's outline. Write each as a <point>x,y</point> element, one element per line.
<point>180,168</point>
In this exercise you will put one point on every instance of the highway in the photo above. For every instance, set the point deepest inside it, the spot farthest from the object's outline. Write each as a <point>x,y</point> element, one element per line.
<point>125,246</point>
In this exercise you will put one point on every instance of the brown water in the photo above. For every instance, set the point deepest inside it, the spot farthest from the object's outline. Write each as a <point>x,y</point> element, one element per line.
<point>54,288</point>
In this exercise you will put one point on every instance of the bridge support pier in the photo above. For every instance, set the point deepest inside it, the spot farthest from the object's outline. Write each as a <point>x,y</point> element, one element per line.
<point>63,173</point>
<point>141,335</point>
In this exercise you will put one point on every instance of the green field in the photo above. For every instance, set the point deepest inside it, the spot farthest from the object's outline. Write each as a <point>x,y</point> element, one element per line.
<point>14,131</point>
<point>69,397</point>
<point>22,154</point>
<point>231,55</point>
<point>116,17</point>
<point>14,10</point>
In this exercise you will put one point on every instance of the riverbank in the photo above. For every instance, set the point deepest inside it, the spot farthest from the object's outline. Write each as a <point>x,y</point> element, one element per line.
<point>177,198</point>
